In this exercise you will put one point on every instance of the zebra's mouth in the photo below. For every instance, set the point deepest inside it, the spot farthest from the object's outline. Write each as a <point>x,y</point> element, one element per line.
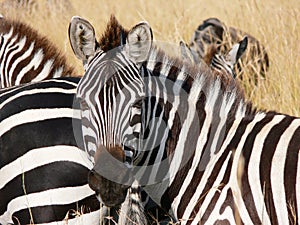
<point>108,192</point>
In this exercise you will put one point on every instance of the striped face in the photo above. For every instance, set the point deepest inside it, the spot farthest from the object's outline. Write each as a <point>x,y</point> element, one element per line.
<point>209,32</point>
<point>110,94</point>
<point>220,64</point>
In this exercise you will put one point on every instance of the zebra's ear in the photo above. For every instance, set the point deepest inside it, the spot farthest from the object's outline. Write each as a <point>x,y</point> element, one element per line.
<point>186,52</point>
<point>237,50</point>
<point>82,39</point>
<point>139,42</point>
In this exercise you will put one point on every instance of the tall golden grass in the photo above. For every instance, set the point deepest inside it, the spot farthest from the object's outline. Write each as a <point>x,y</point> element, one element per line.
<point>276,23</point>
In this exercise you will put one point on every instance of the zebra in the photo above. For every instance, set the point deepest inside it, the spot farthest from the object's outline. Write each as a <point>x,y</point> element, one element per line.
<point>219,63</point>
<point>214,32</point>
<point>22,44</point>
<point>26,56</point>
<point>114,35</point>
<point>36,97</point>
<point>202,152</point>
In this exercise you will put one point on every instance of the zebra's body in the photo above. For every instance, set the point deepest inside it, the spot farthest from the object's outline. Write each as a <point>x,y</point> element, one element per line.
<point>26,56</point>
<point>43,172</point>
<point>44,180</point>
<point>203,153</point>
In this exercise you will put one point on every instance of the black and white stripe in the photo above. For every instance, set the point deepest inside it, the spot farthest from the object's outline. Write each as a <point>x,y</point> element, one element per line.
<point>82,28</point>
<point>204,153</point>
<point>224,64</point>
<point>45,178</point>
<point>26,56</point>
<point>43,172</point>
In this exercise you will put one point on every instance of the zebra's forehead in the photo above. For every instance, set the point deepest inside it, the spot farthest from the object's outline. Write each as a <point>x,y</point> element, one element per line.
<point>106,66</point>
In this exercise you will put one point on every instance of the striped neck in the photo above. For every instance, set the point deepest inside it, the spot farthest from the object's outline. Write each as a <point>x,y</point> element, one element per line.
<point>188,111</point>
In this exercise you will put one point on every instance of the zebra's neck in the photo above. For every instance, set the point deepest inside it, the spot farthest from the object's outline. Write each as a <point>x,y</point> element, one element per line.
<point>188,113</point>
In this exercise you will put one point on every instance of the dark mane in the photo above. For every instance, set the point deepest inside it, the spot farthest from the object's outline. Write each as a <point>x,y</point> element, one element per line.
<point>40,42</point>
<point>111,37</point>
<point>212,50</point>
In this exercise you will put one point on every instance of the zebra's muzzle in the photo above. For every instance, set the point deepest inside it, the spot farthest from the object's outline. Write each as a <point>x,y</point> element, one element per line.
<point>111,193</point>
<point>110,177</point>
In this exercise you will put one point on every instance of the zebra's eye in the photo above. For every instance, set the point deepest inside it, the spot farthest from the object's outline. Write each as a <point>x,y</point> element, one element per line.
<point>135,112</point>
<point>138,103</point>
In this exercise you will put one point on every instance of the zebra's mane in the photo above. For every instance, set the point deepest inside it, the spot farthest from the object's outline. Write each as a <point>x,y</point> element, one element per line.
<point>195,73</point>
<point>212,50</point>
<point>50,51</point>
<point>111,37</point>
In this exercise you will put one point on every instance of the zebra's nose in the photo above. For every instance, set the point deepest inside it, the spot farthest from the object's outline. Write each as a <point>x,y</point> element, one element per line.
<point>116,151</point>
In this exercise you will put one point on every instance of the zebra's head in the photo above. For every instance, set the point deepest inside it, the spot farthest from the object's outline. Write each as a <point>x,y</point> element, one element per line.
<point>110,92</point>
<point>224,64</point>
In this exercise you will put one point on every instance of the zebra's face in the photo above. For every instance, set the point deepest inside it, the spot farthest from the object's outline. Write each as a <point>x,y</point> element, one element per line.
<point>111,193</point>
<point>109,93</point>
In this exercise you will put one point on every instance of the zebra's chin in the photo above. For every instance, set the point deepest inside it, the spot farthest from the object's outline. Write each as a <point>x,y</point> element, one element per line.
<point>110,177</point>
<point>110,193</point>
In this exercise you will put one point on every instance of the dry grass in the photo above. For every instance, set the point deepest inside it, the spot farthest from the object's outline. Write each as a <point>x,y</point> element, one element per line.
<point>275,23</point>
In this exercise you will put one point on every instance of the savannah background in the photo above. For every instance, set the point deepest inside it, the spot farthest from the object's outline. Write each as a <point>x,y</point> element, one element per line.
<point>275,23</point>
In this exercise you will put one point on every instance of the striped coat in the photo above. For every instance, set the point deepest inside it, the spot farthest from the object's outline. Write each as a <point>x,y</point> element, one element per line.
<point>214,35</point>
<point>202,151</point>
<point>43,175</point>
<point>47,100</point>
